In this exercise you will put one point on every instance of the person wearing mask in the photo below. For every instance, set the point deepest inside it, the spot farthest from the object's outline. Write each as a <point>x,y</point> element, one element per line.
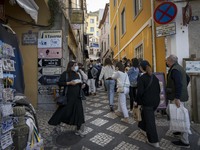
<point>122,82</point>
<point>177,82</point>
<point>107,72</point>
<point>71,113</point>
<point>92,75</point>
<point>133,74</point>
<point>148,97</point>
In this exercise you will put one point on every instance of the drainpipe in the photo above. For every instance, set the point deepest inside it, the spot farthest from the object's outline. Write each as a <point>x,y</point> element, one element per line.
<point>153,37</point>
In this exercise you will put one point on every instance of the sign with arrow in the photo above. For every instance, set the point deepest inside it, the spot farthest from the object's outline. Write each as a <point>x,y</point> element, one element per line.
<point>50,71</point>
<point>48,80</point>
<point>49,62</point>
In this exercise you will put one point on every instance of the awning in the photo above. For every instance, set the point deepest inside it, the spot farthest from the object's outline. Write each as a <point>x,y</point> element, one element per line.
<point>30,7</point>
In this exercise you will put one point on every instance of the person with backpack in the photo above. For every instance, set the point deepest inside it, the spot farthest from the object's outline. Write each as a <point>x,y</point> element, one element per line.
<point>133,74</point>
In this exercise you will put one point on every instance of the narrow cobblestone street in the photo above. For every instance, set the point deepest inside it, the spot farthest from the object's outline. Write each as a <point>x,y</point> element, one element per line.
<point>105,131</point>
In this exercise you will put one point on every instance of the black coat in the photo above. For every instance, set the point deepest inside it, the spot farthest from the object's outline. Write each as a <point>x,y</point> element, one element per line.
<point>151,96</point>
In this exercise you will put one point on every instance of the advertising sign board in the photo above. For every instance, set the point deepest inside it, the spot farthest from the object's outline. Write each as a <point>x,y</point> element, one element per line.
<point>49,53</point>
<point>50,34</point>
<point>50,43</point>
<point>49,62</point>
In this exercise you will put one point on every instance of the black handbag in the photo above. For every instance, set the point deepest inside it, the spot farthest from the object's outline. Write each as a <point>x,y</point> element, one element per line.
<point>61,100</point>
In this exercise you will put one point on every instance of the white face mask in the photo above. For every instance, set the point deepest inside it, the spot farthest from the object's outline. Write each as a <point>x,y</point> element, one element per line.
<point>76,68</point>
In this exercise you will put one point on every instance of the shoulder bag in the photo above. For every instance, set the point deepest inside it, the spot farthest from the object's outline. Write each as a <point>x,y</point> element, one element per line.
<point>120,89</point>
<point>61,100</point>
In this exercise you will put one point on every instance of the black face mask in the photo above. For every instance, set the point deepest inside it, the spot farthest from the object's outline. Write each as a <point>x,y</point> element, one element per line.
<point>167,65</point>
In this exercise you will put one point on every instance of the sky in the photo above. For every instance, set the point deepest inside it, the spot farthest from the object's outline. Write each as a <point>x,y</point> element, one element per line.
<point>94,5</point>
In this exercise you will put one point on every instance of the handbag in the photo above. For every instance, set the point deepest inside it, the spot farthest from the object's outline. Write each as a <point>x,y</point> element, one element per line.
<point>61,100</point>
<point>120,89</point>
<point>137,113</point>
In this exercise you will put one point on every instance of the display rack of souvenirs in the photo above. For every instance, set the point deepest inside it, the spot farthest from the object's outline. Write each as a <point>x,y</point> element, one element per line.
<point>6,95</point>
<point>18,123</point>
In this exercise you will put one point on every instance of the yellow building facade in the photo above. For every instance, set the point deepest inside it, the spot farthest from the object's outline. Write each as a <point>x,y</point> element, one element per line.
<point>132,32</point>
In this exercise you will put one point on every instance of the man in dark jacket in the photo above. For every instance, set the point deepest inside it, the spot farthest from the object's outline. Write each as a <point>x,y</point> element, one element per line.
<point>177,81</point>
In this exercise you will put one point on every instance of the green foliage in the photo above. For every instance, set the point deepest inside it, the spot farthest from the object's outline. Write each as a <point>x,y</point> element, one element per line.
<point>54,8</point>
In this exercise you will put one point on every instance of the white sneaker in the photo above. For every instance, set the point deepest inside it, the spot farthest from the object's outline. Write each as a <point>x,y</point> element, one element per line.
<point>80,133</point>
<point>157,145</point>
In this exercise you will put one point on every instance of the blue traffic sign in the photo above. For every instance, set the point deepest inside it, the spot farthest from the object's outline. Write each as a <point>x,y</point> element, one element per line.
<point>165,13</point>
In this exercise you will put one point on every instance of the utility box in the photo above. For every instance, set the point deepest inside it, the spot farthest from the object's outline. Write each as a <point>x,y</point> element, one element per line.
<point>192,67</point>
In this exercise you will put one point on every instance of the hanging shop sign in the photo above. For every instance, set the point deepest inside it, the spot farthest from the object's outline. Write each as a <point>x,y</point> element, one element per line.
<point>50,71</point>
<point>29,38</point>
<point>165,13</point>
<point>50,43</point>
<point>49,53</point>
<point>50,34</point>
<point>166,30</point>
<point>77,17</point>
<point>49,80</point>
<point>49,62</point>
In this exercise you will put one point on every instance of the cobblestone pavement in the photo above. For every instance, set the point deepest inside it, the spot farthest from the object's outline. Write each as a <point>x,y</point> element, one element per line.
<point>105,131</point>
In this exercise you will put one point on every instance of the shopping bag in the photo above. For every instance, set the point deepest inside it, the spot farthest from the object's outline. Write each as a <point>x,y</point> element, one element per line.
<point>179,119</point>
<point>137,113</point>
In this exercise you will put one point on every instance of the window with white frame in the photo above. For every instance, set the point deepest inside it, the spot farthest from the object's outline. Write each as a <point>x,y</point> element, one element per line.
<point>115,35</point>
<point>137,6</point>
<point>123,21</point>
<point>139,52</point>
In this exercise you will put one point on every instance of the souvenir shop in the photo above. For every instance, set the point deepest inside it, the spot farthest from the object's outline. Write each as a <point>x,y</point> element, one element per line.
<point>18,123</point>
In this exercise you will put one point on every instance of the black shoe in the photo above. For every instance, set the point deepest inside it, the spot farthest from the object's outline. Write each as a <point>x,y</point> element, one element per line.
<point>177,134</point>
<point>111,108</point>
<point>181,144</point>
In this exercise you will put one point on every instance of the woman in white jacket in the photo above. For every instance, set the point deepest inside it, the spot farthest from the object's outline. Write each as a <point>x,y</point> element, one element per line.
<point>123,84</point>
<point>107,72</point>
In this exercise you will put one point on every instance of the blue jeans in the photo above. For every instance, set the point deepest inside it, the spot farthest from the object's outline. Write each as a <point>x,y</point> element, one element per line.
<point>110,86</point>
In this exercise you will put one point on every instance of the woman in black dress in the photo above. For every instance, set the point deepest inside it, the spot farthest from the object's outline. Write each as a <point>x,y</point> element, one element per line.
<point>72,113</point>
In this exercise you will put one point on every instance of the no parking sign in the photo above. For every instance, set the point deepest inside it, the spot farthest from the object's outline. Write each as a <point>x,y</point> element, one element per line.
<point>165,13</point>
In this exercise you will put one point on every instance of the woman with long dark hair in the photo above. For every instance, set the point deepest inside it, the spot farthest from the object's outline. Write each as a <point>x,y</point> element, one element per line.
<point>107,72</point>
<point>148,96</point>
<point>72,113</point>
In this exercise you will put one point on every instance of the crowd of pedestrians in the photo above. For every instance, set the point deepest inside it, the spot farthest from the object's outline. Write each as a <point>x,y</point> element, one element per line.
<point>126,78</point>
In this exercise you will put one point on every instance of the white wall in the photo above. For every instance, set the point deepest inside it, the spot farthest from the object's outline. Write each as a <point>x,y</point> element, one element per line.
<point>178,44</point>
